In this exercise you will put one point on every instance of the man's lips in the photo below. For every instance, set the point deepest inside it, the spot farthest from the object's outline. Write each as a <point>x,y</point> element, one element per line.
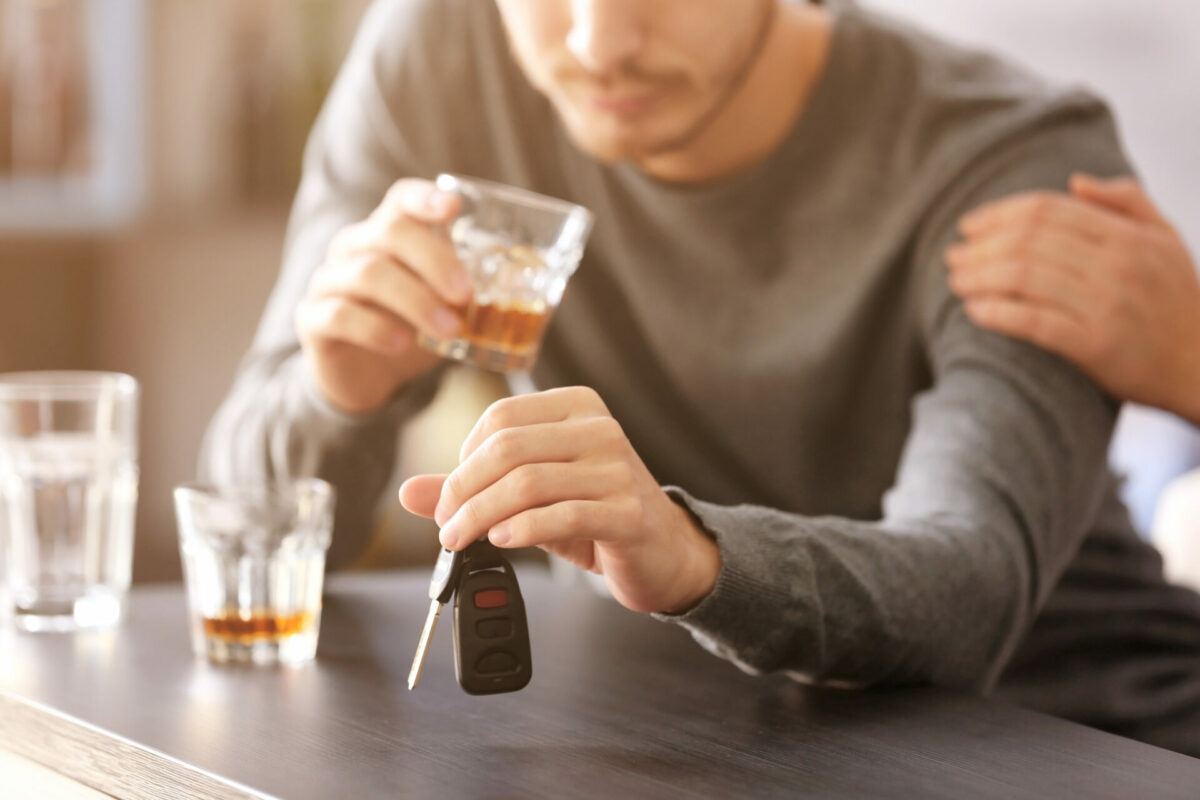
<point>624,105</point>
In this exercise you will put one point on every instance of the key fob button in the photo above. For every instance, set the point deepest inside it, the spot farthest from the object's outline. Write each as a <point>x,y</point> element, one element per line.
<point>496,662</point>
<point>493,628</point>
<point>491,598</point>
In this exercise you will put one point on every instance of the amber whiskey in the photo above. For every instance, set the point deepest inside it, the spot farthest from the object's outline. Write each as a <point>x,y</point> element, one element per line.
<point>259,625</point>
<point>514,327</point>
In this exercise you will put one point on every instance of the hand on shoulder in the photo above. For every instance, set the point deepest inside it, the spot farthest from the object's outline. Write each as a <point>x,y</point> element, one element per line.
<point>1097,276</point>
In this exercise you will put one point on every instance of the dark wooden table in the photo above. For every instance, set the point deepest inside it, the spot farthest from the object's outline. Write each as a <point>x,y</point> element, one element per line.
<point>619,706</point>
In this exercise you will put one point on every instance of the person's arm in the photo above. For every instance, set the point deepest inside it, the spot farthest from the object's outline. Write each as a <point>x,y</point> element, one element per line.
<point>1098,276</point>
<point>1001,476</point>
<point>329,401</point>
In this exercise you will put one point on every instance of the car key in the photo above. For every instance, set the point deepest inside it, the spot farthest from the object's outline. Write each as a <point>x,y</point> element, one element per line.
<point>491,636</point>
<point>441,587</point>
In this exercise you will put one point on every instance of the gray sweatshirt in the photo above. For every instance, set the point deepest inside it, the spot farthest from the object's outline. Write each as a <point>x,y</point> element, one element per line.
<point>897,495</point>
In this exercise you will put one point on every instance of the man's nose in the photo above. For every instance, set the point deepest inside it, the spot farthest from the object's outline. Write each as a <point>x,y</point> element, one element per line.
<point>605,34</point>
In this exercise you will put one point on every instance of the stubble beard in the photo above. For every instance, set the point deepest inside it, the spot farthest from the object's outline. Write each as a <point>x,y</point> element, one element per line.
<point>735,82</point>
<point>682,140</point>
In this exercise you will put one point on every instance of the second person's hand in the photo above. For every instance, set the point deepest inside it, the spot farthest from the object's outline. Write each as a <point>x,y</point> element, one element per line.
<point>1098,276</point>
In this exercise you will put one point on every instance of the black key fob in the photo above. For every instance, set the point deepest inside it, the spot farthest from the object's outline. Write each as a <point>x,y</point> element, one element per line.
<point>491,637</point>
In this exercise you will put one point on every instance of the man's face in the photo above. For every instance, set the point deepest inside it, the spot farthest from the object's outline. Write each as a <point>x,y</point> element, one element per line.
<point>635,78</point>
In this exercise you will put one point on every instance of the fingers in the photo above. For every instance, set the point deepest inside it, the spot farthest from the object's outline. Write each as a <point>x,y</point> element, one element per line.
<point>1047,266</point>
<point>545,444</point>
<point>528,452</point>
<point>1036,283</point>
<point>347,320</point>
<point>554,405</point>
<point>424,248</point>
<point>422,200</point>
<point>377,280</point>
<point>1049,250</point>
<point>1068,251</point>
<point>526,487</point>
<point>568,529</point>
<point>381,281</point>
<point>425,251</point>
<point>1043,264</point>
<point>1123,195</point>
<point>391,273</point>
<point>508,448</point>
<point>1045,326</point>
<point>419,494</point>
<point>1042,211</point>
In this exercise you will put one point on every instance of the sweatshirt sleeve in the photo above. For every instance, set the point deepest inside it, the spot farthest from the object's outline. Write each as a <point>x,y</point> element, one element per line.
<point>274,423</point>
<point>1002,473</point>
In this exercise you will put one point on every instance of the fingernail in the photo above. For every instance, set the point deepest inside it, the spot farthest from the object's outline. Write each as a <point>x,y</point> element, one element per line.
<point>438,201</point>
<point>446,322</point>
<point>500,534</point>
<point>448,538</point>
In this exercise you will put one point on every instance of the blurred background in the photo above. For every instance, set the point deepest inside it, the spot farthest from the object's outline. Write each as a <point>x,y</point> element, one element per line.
<point>149,150</point>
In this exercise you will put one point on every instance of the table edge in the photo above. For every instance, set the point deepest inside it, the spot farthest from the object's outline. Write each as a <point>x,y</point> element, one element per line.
<point>105,761</point>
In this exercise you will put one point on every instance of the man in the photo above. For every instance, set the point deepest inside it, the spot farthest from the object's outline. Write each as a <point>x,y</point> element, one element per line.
<point>765,416</point>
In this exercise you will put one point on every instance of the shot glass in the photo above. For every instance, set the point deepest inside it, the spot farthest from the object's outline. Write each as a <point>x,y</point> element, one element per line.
<point>68,494</point>
<point>254,564</point>
<point>520,249</point>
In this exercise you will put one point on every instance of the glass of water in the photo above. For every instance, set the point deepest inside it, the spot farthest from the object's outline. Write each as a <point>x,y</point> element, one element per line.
<point>68,492</point>
<point>520,249</point>
<point>254,564</point>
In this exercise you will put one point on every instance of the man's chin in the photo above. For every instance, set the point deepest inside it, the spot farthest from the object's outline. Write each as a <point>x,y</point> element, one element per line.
<point>606,153</point>
<point>611,143</point>
<point>610,150</point>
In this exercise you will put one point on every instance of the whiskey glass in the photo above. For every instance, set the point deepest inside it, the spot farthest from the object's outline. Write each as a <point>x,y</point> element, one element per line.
<point>519,248</point>
<point>254,565</point>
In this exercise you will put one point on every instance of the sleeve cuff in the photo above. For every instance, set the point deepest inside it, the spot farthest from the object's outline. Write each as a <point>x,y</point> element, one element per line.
<point>740,616</point>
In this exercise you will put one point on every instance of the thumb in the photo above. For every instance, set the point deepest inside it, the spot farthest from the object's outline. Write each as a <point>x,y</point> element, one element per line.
<point>421,200</point>
<point>1122,194</point>
<point>419,494</point>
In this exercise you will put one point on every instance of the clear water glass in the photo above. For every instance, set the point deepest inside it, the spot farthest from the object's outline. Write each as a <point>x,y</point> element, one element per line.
<point>68,496</point>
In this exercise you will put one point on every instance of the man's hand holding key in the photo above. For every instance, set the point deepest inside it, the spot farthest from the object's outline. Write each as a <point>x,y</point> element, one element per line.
<point>555,470</point>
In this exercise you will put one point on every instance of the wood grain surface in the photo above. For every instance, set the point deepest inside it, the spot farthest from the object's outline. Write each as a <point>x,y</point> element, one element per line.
<point>21,778</point>
<point>619,706</point>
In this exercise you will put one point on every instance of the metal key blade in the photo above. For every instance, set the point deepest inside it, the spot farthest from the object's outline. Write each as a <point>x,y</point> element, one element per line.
<point>414,674</point>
